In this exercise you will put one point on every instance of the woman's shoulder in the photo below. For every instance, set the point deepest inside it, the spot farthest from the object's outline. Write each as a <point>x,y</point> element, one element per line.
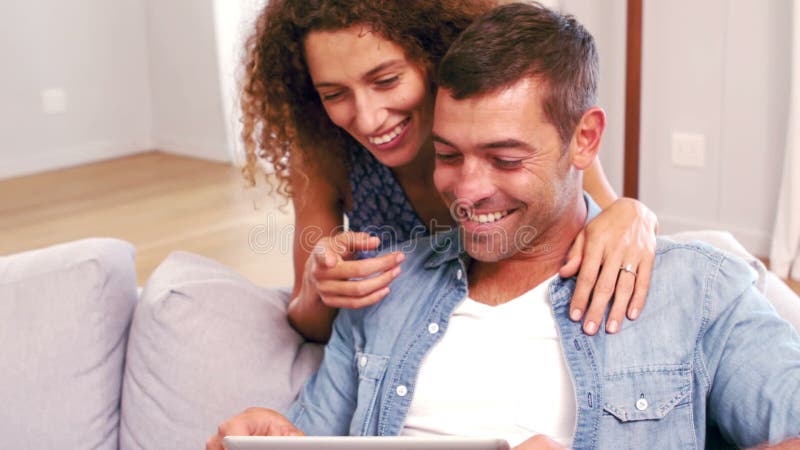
<point>318,176</point>
<point>379,203</point>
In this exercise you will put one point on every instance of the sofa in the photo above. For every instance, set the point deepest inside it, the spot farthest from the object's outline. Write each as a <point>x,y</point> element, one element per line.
<point>88,361</point>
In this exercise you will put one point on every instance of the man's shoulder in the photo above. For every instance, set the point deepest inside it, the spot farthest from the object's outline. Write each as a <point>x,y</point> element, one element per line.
<point>696,267</point>
<point>701,253</point>
<point>691,285</point>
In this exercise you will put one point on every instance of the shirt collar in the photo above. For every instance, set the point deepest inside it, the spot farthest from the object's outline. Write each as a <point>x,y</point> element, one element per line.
<point>448,245</point>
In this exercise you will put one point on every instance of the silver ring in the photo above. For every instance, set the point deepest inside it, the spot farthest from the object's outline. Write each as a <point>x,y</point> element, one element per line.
<point>628,268</point>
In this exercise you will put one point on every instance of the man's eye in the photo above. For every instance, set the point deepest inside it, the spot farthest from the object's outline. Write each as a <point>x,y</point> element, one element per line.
<point>447,157</point>
<point>386,82</point>
<point>507,163</point>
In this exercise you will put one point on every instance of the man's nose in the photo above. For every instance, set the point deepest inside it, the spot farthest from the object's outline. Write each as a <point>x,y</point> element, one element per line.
<point>475,182</point>
<point>370,113</point>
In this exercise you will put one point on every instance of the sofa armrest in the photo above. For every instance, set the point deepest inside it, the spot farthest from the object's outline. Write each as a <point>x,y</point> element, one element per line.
<point>65,312</point>
<point>783,298</point>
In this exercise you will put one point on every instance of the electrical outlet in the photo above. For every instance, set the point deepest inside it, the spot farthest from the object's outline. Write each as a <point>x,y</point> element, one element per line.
<point>688,150</point>
<point>54,101</point>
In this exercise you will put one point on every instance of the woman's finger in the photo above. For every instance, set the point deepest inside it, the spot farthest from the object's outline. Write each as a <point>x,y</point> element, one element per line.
<point>626,280</point>
<point>587,276</point>
<point>329,251</point>
<point>362,268</point>
<point>356,288</point>
<point>357,302</point>
<point>348,243</point>
<point>641,287</point>
<point>601,295</point>
<point>323,254</point>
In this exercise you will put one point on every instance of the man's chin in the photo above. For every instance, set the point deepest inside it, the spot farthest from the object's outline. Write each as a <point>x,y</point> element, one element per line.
<point>485,250</point>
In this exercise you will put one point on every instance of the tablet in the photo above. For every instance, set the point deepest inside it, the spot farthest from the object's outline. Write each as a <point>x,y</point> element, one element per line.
<point>362,443</point>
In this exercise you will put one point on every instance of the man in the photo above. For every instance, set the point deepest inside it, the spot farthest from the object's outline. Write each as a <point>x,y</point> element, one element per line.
<point>475,337</point>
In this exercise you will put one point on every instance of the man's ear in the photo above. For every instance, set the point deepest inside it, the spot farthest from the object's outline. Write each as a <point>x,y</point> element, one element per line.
<point>587,137</point>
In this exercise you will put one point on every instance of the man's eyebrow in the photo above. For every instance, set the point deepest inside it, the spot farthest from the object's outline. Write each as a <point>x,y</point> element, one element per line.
<point>505,143</point>
<point>370,73</point>
<point>441,140</point>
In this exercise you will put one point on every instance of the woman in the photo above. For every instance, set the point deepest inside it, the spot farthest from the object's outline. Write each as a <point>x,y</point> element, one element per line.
<point>338,97</point>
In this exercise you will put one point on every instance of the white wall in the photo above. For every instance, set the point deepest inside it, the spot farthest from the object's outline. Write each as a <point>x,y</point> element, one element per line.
<point>606,20</point>
<point>188,113</point>
<point>716,67</point>
<point>719,68</point>
<point>234,22</point>
<point>96,51</point>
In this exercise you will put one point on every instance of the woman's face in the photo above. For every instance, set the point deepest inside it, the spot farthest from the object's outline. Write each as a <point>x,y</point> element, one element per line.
<point>372,90</point>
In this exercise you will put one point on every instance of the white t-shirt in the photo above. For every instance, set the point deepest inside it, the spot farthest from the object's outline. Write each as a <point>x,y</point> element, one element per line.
<point>499,371</point>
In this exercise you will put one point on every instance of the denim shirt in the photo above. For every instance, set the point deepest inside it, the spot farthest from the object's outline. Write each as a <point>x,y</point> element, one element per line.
<point>708,353</point>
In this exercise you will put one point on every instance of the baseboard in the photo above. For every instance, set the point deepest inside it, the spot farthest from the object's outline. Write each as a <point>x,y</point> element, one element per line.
<point>755,241</point>
<point>45,160</point>
<point>196,149</point>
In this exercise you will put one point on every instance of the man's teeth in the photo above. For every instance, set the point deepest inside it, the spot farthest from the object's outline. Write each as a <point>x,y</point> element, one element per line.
<point>488,218</point>
<point>388,137</point>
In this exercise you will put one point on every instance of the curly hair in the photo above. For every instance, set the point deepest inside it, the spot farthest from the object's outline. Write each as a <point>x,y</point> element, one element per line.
<point>281,111</point>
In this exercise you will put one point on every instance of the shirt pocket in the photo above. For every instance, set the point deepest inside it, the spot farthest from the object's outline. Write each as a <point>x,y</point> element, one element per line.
<point>371,369</point>
<point>648,408</point>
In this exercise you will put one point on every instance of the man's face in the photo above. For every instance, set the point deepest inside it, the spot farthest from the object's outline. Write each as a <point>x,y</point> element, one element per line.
<point>502,168</point>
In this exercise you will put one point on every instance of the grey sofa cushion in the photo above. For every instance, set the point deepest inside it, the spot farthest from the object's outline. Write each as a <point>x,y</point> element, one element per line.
<point>206,344</point>
<point>64,311</point>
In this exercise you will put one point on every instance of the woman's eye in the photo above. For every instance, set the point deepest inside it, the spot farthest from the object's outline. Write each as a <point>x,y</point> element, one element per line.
<point>507,163</point>
<point>386,82</point>
<point>331,96</point>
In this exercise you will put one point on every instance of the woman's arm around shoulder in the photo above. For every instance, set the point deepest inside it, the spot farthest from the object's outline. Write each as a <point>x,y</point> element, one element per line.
<point>612,256</point>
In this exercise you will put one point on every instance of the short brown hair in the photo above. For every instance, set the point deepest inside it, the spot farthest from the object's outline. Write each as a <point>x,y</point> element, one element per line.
<point>519,40</point>
<point>282,112</point>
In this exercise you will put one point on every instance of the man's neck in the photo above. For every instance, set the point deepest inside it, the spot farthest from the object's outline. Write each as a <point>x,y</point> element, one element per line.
<point>494,283</point>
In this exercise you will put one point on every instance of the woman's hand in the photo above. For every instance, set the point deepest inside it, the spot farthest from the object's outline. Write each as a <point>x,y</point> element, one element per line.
<point>613,256</point>
<point>332,280</point>
<point>340,282</point>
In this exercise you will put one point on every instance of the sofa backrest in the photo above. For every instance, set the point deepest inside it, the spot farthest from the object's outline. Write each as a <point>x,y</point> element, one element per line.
<point>205,344</point>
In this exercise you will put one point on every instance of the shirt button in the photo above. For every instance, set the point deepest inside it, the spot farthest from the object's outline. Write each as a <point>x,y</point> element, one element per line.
<point>641,404</point>
<point>459,274</point>
<point>433,328</point>
<point>401,390</point>
<point>362,361</point>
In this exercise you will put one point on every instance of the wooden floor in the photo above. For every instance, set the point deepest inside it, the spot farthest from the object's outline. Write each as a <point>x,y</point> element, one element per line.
<point>160,203</point>
<point>794,284</point>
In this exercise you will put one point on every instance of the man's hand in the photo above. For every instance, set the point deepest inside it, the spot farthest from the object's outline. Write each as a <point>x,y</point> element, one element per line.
<point>253,422</point>
<point>540,442</point>
<point>791,444</point>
